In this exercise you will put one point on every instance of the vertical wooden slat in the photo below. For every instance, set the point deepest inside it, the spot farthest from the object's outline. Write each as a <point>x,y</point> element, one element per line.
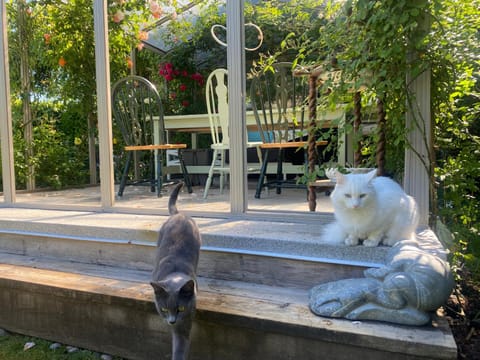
<point>236,106</point>
<point>357,122</point>
<point>104,104</point>
<point>417,163</point>
<point>6,133</point>
<point>382,141</point>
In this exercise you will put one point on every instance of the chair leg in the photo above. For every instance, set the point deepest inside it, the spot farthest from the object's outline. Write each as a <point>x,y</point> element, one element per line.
<point>210,174</point>
<point>222,172</point>
<point>153,159</point>
<point>279,171</point>
<point>158,156</point>
<point>261,178</point>
<point>186,176</point>
<point>123,181</point>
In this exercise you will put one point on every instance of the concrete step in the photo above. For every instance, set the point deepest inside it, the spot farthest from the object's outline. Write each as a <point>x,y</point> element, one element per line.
<point>236,250</point>
<point>110,309</point>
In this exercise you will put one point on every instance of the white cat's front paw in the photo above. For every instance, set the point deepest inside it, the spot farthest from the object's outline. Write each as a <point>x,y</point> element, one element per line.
<point>351,240</point>
<point>389,241</point>
<point>371,242</point>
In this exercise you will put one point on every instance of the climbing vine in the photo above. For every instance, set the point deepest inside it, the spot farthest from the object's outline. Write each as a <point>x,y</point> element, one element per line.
<point>381,47</point>
<point>376,45</point>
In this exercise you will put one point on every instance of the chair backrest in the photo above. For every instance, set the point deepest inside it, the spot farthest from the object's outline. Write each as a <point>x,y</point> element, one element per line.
<point>138,111</point>
<point>279,101</point>
<point>217,105</point>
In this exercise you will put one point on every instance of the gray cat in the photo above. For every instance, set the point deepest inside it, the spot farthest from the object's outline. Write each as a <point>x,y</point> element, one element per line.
<point>174,275</point>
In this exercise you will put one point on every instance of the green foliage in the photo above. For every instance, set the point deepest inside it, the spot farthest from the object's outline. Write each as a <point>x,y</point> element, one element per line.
<point>12,348</point>
<point>379,48</point>
<point>59,157</point>
<point>456,105</point>
<point>376,45</point>
<point>58,38</point>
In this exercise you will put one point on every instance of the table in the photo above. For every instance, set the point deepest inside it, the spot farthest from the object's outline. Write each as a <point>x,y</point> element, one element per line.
<point>199,123</point>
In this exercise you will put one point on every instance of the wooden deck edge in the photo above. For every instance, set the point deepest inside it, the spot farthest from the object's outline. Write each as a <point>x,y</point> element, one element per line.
<point>111,310</point>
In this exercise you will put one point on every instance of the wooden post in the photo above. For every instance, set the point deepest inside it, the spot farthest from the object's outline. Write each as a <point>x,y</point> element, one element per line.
<point>419,153</point>
<point>312,153</point>
<point>357,121</point>
<point>236,106</point>
<point>380,153</point>
<point>102,61</point>
<point>417,162</point>
<point>6,132</point>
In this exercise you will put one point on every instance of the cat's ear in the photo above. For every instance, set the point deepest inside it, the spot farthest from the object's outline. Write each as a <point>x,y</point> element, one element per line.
<point>157,287</point>
<point>339,177</point>
<point>372,175</point>
<point>188,289</point>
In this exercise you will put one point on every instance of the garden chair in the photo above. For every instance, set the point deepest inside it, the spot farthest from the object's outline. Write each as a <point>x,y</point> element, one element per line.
<point>217,108</point>
<point>138,113</point>
<point>279,100</point>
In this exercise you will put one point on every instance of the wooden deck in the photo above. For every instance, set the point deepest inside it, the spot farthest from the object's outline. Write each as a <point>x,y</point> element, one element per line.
<point>110,309</point>
<point>139,198</point>
<point>81,278</point>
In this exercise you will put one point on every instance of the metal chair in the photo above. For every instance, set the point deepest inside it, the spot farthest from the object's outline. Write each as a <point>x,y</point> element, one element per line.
<point>138,113</point>
<point>279,101</point>
<point>217,108</point>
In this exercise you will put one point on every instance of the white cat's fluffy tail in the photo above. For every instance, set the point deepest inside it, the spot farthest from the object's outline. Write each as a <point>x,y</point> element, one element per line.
<point>333,234</point>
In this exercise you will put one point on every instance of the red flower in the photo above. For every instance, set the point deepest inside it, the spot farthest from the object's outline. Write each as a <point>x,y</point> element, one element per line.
<point>185,103</point>
<point>198,78</point>
<point>182,87</point>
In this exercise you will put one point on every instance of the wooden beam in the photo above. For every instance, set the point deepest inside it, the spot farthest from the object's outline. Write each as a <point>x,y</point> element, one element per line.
<point>6,132</point>
<point>102,61</point>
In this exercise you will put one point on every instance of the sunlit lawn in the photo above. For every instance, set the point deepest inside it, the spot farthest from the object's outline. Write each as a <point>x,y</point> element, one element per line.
<point>12,348</point>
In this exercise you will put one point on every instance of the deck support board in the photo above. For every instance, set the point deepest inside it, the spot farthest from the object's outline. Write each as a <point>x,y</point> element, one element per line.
<point>111,310</point>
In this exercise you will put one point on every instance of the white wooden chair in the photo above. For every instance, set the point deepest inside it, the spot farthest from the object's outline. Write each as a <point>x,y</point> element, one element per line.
<point>217,108</point>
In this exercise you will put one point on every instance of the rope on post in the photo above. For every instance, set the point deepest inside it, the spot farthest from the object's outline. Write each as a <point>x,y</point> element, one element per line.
<point>312,153</point>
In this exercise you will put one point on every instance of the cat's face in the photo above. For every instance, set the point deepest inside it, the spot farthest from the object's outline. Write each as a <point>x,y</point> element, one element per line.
<point>354,191</point>
<point>175,297</point>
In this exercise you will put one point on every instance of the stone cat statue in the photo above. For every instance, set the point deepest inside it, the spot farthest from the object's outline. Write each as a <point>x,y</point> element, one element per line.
<point>174,275</point>
<point>407,290</point>
<point>370,209</point>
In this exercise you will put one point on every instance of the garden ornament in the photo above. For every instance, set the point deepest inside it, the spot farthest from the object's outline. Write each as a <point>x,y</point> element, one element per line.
<point>413,283</point>
<point>214,28</point>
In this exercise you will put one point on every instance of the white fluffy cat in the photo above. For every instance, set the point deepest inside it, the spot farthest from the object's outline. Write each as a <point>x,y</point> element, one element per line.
<point>370,209</point>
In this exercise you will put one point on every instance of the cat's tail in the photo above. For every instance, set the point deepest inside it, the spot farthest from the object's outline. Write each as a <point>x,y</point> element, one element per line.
<point>333,234</point>
<point>172,202</point>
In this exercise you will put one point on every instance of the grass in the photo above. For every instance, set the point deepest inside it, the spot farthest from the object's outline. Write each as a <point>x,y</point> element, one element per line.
<point>12,348</point>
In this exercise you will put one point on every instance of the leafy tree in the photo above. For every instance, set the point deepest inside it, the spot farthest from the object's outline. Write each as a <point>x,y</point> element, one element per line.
<point>60,42</point>
<point>456,105</point>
